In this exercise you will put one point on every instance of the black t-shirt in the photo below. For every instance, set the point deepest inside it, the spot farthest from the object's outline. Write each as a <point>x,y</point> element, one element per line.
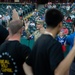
<point>3,34</point>
<point>45,56</point>
<point>12,56</point>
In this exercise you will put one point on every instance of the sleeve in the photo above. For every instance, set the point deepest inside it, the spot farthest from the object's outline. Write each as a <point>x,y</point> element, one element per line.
<point>25,51</point>
<point>68,40</point>
<point>31,59</point>
<point>64,39</point>
<point>56,56</point>
<point>27,33</point>
<point>34,33</point>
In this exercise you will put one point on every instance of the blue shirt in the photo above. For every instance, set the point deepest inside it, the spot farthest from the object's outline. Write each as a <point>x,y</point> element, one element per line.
<point>61,40</point>
<point>70,40</point>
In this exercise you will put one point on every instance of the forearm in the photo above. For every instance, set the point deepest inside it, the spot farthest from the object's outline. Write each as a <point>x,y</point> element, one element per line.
<point>27,69</point>
<point>65,64</point>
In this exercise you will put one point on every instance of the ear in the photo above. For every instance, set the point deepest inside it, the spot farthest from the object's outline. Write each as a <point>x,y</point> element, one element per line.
<point>20,31</point>
<point>60,25</point>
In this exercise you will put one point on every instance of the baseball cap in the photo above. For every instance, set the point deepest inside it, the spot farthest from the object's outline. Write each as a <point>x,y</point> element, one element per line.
<point>41,22</point>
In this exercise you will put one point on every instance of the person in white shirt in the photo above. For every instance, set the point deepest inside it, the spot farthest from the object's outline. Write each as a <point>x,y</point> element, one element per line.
<point>72,16</point>
<point>54,6</point>
<point>8,6</point>
<point>68,7</point>
<point>20,12</point>
<point>35,13</point>
<point>32,24</point>
<point>73,11</point>
<point>7,17</point>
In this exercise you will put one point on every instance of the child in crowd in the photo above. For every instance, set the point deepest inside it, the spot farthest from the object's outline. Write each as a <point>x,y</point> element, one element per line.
<point>61,38</point>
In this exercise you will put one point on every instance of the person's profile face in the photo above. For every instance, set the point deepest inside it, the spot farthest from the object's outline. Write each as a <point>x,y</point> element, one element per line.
<point>59,27</point>
<point>61,34</point>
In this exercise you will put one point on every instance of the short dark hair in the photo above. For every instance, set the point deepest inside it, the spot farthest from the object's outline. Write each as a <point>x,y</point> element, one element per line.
<point>53,17</point>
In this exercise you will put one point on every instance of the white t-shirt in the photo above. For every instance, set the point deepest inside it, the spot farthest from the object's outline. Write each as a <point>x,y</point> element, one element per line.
<point>67,7</point>
<point>72,16</point>
<point>7,18</point>
<point>8,7</point>
<point>32,24</point>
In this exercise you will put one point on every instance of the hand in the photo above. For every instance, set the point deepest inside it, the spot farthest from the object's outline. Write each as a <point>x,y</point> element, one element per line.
<point>15,15</point>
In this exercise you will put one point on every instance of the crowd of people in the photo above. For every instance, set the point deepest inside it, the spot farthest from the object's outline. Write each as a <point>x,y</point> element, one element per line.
<point>51,36</point>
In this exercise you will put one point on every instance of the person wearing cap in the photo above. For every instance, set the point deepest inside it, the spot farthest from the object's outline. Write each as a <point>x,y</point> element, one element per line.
<point>35,13</point>
<point>40,30</point>
<point>20,12</point>
<point>47,57</point>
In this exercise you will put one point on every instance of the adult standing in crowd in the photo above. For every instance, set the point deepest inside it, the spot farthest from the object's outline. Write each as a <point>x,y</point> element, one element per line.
<point>46,56</point>
<point>69,41</point>
<point>40,30</point>
<point>12,53</point>
<point>70,38</point>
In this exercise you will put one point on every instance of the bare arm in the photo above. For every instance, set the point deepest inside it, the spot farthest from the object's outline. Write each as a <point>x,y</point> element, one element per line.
<point>27,69</point>
<point>15,15</point>
<point>66,63</point>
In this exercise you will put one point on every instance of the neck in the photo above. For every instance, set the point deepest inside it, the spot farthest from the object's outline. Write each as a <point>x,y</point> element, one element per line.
<point>14,37</point>
<point>41,28</point>
<point>52,31</point>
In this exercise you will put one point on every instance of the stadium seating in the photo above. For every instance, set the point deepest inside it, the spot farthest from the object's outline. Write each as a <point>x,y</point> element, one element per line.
<point>27,8</point>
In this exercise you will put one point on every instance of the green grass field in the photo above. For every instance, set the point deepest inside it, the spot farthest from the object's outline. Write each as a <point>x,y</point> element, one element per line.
<point>30,43</point>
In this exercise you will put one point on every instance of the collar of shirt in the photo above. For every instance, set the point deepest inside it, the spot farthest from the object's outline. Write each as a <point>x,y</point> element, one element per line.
<point>46,32</point>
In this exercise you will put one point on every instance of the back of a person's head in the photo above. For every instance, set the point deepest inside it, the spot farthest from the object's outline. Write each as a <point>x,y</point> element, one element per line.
<point>53,18</point>
<point>69,18</point>
<point>15,26</point>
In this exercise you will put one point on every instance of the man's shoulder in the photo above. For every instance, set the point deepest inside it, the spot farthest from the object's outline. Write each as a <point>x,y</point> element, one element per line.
<point>55,42</point>
<point>35,32</point>
<point>24,46</point>
<point>71,35</point>
<point>49,39</point>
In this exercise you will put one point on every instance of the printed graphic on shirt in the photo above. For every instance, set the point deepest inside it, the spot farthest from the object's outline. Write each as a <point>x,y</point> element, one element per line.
<point>7,64</point>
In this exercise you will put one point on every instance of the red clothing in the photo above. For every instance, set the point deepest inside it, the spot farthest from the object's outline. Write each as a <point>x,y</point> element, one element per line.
<point>69,20</point>
<point>63,48</point>
<point>65,30</point>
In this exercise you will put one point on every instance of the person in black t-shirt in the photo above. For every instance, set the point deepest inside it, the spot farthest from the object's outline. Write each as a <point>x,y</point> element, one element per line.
<point>47,57</point>
<point>3,34</point>
<point>12,53</point>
